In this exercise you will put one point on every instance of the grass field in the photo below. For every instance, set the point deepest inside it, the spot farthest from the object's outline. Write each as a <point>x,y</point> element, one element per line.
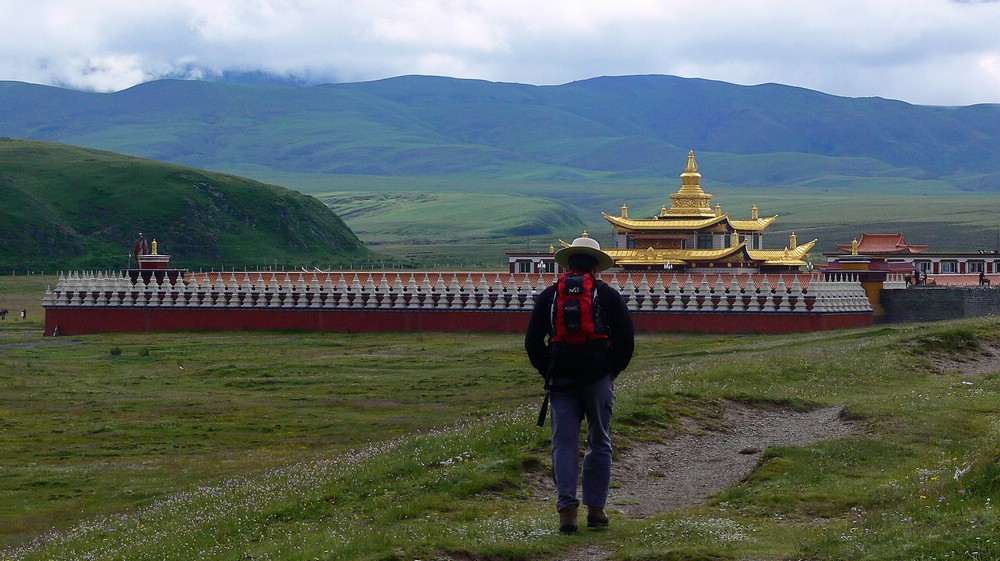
<point>422,446</point>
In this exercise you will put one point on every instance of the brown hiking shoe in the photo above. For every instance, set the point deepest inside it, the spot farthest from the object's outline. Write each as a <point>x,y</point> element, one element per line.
<point>567,520</point>
<point>596,517</point>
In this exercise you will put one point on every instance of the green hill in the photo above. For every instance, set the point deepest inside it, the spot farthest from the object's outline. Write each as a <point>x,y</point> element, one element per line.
<point>66,207</point>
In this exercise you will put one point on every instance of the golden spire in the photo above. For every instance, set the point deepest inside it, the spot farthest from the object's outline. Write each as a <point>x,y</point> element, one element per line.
<point>854,246</point>
<point>754,213</point>
<point>718,209</point>
<point>624,210</point>
<point>154,246</point>
<point>793,241</point>
<point>552,248</point>
<point>691,200</point>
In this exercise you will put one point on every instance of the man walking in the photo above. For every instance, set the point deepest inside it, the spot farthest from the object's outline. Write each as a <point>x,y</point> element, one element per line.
<point>579,338</point>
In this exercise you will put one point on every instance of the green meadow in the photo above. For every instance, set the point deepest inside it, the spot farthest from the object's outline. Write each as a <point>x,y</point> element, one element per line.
<point>296,445</point>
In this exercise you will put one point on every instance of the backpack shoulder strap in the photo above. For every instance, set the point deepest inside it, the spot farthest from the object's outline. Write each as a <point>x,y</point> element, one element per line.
<point>553,310</point>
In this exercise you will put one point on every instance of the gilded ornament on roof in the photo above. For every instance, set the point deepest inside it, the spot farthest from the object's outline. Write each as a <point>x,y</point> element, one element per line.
<point>691,200</point>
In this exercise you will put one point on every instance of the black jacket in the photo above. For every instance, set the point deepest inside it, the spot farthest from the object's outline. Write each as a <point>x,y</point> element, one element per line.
<point>621,334</point>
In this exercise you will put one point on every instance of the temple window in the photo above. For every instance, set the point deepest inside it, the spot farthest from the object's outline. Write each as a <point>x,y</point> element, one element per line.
<point>705,241</point>
<point>976,267</point>
<point>949,267</point>
<point>524,266</point>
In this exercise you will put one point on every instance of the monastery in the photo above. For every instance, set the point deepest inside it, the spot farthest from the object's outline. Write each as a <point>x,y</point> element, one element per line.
<point>690,236</point>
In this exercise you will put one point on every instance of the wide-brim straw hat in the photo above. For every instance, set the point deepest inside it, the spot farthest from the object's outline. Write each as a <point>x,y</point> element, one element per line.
<point>586,246</point>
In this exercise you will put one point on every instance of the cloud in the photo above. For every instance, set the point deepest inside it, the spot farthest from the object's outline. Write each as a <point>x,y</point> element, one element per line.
<point>922,51</point>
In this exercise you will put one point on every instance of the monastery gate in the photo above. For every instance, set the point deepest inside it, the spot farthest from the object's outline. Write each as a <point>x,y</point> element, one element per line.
<point>348,301</point>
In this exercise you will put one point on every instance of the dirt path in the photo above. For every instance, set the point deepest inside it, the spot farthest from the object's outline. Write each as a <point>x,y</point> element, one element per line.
<point>654,478</point>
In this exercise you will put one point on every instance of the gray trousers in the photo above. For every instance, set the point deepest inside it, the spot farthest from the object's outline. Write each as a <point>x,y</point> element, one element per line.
<point>593,402</point>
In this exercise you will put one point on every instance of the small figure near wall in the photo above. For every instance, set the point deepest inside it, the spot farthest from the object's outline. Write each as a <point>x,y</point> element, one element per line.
<point>140,247</point>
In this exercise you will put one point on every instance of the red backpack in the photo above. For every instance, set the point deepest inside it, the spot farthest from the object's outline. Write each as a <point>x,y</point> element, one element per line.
<point>576,310</point>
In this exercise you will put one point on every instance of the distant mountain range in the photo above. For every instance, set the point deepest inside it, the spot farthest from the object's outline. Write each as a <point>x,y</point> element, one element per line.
<point>603,129</point>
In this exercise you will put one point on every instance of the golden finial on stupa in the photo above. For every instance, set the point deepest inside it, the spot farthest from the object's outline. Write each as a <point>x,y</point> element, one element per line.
<point>624,210</point>
<point>691,179</point>
<point>854,246</point>
<point>793,241</point>
<point>692,166</point>
<point>691,201</point>
<point>718,209</point>
<point>154,247</point>
<point>552,248</point>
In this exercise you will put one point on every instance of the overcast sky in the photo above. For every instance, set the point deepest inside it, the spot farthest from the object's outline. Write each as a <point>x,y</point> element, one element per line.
<point>939,52</point>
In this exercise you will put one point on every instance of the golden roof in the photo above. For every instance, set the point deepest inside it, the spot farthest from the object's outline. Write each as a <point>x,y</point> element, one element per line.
<point>793,257</point>
<point>652,256</point>
<point>758,225</point>
<point>691,224</point>
<point>660,224</point>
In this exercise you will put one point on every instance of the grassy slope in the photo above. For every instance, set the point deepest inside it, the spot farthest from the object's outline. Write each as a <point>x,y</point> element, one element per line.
<point>73,207</point>
<point>444,229</point>
<point>245,451</point>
